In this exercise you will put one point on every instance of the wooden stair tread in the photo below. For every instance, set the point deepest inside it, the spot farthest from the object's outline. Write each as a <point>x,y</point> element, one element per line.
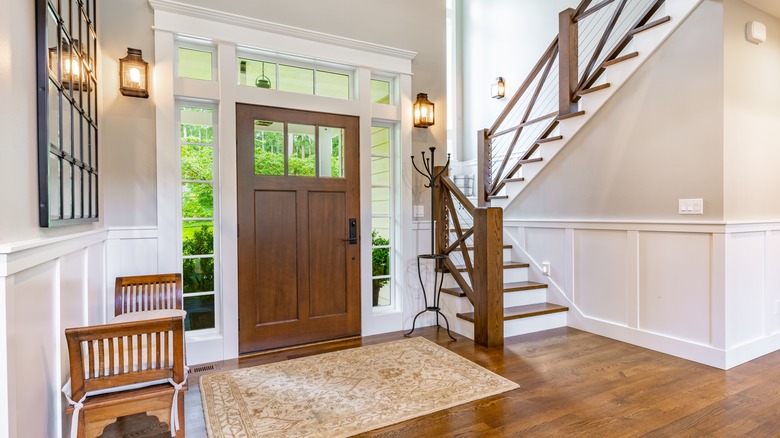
<point>549,139</point>
<point>531,160</point>
<point>498,197</point>
<point>593,89</point>
<point>519,312</point>
<point>570,115</point>
<point>650,25</point>
<point>620,59</point>
<point>508,287</point>
<point>518,179</point>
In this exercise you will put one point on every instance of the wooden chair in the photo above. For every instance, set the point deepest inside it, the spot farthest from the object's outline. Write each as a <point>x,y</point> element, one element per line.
<point>126,368</point>
<point>147,292</point>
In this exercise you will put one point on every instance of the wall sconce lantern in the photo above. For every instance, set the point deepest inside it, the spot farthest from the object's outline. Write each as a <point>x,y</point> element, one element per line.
<point>134,74</point>
<point>422,111</point>
<point>497,88</point>
<point>71,68</point>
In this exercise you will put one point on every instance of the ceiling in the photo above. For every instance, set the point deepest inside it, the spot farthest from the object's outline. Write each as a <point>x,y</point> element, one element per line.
<point>768,6</point>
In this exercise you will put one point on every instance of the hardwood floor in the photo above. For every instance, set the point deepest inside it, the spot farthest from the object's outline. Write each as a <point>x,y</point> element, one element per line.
<point>574,383</point>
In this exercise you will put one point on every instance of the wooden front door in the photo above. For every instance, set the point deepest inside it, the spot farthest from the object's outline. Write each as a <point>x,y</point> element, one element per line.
<point>298,222</point>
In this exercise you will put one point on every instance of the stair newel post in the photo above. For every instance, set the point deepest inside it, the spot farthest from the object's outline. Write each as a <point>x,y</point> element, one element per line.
<point>568,73</point>
<point>439,218</point>
<point>488,279</point>
<point>484,169</point>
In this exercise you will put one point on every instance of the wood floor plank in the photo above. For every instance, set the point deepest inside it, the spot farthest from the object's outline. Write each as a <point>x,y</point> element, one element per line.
<point>574,383</point>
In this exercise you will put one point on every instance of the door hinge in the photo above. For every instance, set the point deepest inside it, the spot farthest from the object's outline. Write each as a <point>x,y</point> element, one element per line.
<point>238,233</point>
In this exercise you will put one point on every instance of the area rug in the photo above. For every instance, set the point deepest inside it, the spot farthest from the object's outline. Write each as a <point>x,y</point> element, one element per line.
<point>343,393</point>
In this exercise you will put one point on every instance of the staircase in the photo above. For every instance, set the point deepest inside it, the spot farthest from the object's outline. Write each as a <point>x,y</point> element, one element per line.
<point>525,309</point>
<point>599,46</point>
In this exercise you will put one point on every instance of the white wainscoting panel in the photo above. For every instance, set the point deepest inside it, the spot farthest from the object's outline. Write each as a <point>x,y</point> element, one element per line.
<point>129,251</point>
<point>674,285</point>
<point>600,274</point>
<point>708,292</point>
<point>46,285</point>
<point>745,302</point>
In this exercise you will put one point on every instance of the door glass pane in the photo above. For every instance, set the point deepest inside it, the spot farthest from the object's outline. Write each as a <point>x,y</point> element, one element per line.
<point>380,141</point>
<point>301,150</point>
<point>197,200</point>
<point>332,85</point>
<point>296,79</point>
<point>381,225</point>
<point>196,125</point>
<point>200,312</point>
<point>269,148</point>
<point>380,171</point>
<point>197,162</point>
<point>198,274</point>
<point>380,91</point>
<point>331,152</point>
<point>197,237</point>
<point>194,64</point>
<point>256,73</point>
<point>380,200</point>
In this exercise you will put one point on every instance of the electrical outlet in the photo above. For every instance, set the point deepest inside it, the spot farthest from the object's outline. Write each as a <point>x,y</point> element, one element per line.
<point>419,211</point>
<point>546,268</point>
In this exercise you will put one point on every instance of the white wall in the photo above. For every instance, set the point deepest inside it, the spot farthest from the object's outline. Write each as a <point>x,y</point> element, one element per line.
<point>126,131</point>
<point>659,139</point>
<point>500,38</point>
<point>751,114</point>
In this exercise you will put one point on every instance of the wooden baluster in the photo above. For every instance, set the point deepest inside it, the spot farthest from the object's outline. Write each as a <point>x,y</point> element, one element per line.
<point>484,168</point>
<point>567,64</point>
<point>488,278</point>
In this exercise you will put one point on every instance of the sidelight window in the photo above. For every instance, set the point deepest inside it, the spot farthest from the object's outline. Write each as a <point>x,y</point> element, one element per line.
<point>197,141</point>
<point>382,236</point>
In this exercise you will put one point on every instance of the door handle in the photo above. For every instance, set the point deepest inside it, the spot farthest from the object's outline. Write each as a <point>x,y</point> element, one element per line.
<point>352,232</point>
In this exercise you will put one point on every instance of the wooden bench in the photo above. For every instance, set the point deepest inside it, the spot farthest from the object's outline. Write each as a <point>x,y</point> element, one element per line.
<point>126,368</point>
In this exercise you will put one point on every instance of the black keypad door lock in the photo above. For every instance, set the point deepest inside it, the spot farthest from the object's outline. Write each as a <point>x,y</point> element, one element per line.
<point>352,232</point>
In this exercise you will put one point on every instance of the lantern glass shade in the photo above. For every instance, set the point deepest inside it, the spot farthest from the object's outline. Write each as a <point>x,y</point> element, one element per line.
<point>422,111</point>
<point>73,74</point>
<point>134,74</point>
<point>497,88</point>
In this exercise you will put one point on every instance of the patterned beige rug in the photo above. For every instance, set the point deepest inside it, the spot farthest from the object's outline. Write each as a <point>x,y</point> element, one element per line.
<point>343,393</point>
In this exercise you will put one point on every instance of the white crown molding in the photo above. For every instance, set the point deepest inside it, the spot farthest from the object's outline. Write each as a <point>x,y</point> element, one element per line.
<point>281,29</point>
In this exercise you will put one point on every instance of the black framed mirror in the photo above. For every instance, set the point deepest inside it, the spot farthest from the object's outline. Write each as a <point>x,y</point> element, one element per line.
<point>66,61</point>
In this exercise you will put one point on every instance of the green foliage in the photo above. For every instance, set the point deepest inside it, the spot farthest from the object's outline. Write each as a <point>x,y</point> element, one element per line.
<point>197,162</point>
<point>198,274</point>
<point>380,260</point>
<point>197,200</point>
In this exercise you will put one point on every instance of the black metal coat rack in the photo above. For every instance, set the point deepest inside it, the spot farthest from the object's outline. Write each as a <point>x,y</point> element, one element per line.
<point>438,259</point>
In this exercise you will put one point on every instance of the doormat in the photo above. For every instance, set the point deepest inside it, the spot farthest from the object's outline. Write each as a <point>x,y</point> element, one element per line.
<point>343,393</point>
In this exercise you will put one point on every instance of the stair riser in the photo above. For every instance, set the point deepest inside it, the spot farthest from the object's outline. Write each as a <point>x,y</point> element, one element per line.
<point>513,327</point>
<point>510,276</point>
<point>534,324</point>
<point>525,297</point>
<point>457,257</point>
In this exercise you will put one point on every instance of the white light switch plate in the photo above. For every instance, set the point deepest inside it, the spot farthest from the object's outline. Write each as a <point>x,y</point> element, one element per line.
<point>691,206</point>
<point>419,211</point>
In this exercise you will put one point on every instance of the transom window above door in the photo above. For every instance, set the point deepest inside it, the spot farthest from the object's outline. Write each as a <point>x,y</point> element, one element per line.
<point>296,77</point>
<point>288,149</point>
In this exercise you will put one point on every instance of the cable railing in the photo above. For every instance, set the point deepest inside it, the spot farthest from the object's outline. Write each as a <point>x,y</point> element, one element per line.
<point>591,36</point>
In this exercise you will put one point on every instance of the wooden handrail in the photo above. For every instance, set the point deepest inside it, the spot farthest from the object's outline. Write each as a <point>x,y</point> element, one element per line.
<point>580,15</point>
<point>455,190</point>
<point>550,52</point>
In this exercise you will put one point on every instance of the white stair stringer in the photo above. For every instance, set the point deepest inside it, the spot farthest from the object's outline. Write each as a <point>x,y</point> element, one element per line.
<point>645,43</point>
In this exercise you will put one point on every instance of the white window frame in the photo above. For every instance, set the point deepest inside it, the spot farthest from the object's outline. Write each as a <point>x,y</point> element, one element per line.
<point>394,206</point>
<point>216,216</point>
<point>201,46</point>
